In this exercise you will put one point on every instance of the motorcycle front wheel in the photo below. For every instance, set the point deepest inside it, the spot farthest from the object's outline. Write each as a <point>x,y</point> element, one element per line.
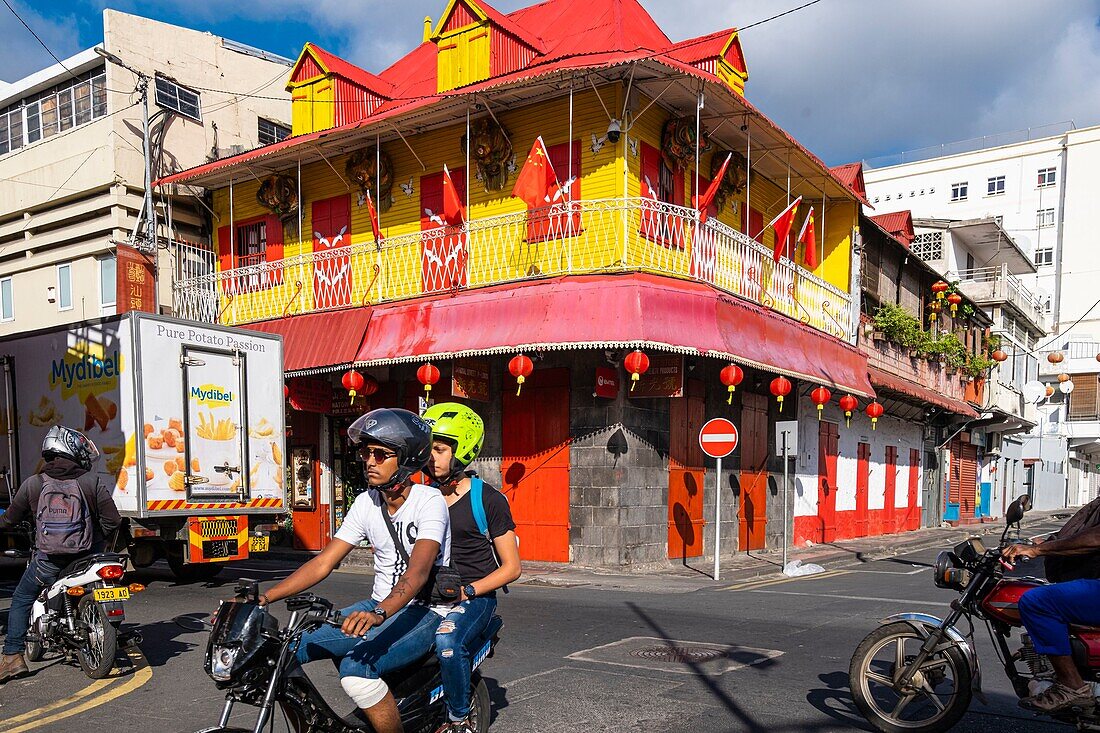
<point>934,700</point>
<point>97,655</point>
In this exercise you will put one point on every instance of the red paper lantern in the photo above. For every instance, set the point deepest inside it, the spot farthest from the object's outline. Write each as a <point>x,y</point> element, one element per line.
<point>428,375</point>
<point>370,386</point>
<point>780,387</point>
<point>353,382</point>
<point>849,404</point>
<point>874,411</point>
<point>954,299</point>
<point>637,363</point>
<point>1055,357</point>
<point>998,356</point>
<point>286,390</point>
<point>820,396</point>
<point>1050,390</point>
<point>1063,378</point>
<point>731,376</point>
<point>520,367</point>
<point>940,288</point>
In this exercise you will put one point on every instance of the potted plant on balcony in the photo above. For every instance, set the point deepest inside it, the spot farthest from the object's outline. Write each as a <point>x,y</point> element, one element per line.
<point>894,323</point>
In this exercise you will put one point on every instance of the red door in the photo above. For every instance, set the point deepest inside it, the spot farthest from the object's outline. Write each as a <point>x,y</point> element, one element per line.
<point>889,523</point>
<point>912,516</point>
<point>535,465</point>
<point>332,285</point>
<point>752,514</point>
<point>442,249</point>
<point>685,473</point>
<point>863,481</point>
<point>828,439</point>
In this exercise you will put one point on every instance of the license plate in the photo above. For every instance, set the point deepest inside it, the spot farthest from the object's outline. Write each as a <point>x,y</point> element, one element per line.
<point>106,595</point>
<point>259,544</point>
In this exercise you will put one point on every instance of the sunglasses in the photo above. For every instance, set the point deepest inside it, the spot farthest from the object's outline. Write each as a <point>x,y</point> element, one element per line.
<point>380,455</point>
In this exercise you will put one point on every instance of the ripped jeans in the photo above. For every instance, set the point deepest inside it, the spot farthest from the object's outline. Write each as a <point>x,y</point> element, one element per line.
<point>462,627</point>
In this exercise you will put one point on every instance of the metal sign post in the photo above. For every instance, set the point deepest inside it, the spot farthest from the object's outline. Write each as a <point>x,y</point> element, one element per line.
<point>786,440</point>
<point>717,439</point>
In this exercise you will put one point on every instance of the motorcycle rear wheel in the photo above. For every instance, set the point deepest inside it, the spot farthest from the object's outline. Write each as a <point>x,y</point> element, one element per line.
<point>97,656</point>
<point>35,651</point>
<point>884,707</point>
<point>480,709</point>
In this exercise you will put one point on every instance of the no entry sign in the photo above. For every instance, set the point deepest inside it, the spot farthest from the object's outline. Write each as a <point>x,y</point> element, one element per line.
<point>718,437</point>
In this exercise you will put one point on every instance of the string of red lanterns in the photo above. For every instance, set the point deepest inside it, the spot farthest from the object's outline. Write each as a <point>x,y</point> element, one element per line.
<point>520,366</point>
<point>637,363</point>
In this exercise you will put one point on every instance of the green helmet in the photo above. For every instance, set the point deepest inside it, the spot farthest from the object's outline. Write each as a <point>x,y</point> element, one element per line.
<point>459,425</point>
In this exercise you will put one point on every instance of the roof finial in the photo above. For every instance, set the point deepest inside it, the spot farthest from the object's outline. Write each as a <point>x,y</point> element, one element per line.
<point>427,28</point>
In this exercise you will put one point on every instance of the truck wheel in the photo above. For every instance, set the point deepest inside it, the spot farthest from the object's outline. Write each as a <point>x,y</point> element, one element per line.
<point>191,572</point>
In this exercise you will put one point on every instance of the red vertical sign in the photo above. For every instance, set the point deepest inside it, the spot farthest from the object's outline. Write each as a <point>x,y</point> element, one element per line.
<point>136,285</point>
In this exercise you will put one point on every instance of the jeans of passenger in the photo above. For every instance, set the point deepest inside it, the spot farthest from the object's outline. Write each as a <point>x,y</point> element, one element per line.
<point>404,637</point>
<point>453,639</point>
<point>40,573</point>
<point>1047,612</point>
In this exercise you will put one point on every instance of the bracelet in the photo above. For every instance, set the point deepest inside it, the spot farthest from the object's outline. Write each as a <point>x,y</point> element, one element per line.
<point>264,598</point>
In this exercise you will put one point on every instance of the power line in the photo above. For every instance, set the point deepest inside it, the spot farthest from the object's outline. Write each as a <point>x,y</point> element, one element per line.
<point>37,38</point>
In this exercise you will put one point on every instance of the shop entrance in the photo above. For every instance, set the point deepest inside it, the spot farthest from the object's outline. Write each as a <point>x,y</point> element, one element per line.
<point>827,438</point>
<point>535,464</point>
<point>752,514</point>
<point>685,473</point>
<point>310,515</point>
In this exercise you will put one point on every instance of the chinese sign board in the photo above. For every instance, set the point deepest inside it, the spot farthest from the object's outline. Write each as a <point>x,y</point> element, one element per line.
<point>136,285</point>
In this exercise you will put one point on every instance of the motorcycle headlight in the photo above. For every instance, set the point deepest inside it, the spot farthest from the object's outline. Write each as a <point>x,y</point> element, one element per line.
<point>221,662</point>
<point>948,571</point>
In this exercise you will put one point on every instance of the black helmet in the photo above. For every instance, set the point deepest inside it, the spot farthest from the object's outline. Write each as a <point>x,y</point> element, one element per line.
<point>401,431</point>
<point>68,443</point>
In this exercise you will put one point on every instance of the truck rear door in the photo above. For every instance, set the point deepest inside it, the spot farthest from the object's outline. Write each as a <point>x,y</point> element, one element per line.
<point>215,425</point>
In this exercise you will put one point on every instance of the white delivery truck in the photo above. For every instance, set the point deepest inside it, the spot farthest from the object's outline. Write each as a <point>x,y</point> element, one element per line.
<point>188,418</point>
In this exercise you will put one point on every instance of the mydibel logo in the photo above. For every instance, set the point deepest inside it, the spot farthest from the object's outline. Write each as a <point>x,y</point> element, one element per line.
<point>212,395</point>
<point>85,369</point>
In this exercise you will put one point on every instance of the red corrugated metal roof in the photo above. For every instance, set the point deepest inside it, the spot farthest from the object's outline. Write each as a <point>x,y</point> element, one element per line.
<point>710,46</point>
<point>851,175</point>
<point>351,72</point>
<point>899,224</point>
<point>507,23</point>
<point>317,340</point>
<point>611,311</point>
<point>903,386</point>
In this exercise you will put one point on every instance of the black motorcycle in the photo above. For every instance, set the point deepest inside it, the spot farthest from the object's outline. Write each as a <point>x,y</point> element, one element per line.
<point>253,660</point>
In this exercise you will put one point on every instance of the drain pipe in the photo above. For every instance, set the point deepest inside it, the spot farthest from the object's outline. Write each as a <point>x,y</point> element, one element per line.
<point>1057,309</point>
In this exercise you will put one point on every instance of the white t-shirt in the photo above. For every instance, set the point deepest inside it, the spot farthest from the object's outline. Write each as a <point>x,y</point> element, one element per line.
<point>424,515</point>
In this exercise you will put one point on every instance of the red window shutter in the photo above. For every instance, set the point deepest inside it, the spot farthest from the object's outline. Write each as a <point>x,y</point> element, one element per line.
<point>677,188</point>
<point>225,253</point>
<point>756,223</point>
<point>431,195</point>
<point>273,246</point>
<point>540,225</point>
<point>650,185</point>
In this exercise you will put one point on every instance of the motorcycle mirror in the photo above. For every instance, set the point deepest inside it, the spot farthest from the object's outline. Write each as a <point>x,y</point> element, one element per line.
<point>1017,509</point>
<point>248,589</point>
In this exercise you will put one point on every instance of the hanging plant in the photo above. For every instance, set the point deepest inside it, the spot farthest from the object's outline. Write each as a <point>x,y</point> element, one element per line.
<point>278,193</point>
<point>491,151</point>
<point>368,169</point>
<point>678,142</point>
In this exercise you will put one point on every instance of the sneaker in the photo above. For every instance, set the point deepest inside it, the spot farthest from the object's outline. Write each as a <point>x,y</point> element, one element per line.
<point>1058,698</point>
<point>12,665</point>
<point>457,726</point>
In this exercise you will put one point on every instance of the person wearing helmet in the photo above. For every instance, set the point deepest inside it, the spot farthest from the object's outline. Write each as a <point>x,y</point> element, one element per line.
<point>396,625</point>
<point>485,559</point>
<point>69,457</point>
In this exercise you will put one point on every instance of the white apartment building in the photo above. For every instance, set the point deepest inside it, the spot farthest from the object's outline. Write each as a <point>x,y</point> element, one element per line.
<point>1036,277</point>
<point>72,167</point>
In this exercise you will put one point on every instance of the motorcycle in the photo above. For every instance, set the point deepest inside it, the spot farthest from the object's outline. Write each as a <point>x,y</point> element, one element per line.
<point>253,659</point>
<point>80,614</point>
<point>918,674</point>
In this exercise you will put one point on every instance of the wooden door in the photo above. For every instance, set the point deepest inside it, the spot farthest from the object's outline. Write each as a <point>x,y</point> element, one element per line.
<point>443,252</point>
<point>912,511</point>
<point>685,472</point>
<point>828,440</point>
<point>752,514</point>
<point>863,482</point>
<point>535,466</point>
<point>889,523</point>
<point>332,276</point>
<point>968,488</point>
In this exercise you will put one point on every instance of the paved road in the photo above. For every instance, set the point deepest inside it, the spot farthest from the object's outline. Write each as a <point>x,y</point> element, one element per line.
<point>572,659</point>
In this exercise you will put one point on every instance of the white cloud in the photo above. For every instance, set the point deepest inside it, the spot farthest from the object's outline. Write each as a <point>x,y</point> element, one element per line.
<point>22,54</point>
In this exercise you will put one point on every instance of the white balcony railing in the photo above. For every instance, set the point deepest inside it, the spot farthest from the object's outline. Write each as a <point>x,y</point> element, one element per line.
<point>597,236</point>
<point>997,285</point>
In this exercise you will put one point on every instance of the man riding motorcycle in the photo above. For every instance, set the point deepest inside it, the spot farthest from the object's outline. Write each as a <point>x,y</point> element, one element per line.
<point>393,627</point>
<point>69,456</point>
<point>1048,611</point>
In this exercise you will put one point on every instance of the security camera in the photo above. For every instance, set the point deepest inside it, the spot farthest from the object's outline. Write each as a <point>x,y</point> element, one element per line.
<point>614,132</point>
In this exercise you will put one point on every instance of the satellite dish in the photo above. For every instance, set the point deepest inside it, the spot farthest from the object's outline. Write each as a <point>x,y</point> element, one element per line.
<point>1034,392</point>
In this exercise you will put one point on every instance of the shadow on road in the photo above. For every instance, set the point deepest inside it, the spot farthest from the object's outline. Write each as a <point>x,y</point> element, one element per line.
<point>498,698</point>
<point>836,700</point>
<point>160,641</point>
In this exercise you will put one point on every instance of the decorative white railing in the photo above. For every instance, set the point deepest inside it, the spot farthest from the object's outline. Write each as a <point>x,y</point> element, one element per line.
<point>584,237</point>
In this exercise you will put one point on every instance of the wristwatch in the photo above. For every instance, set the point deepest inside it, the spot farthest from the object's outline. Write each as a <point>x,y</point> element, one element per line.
<point>380,613</point>
<point>469,591</point>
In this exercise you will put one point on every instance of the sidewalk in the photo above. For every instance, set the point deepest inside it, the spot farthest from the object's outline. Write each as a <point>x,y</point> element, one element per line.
<point>683,578</point>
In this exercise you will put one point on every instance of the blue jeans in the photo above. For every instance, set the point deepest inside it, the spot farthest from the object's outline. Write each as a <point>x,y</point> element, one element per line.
<point>40,573</point>
<point>462,628</point>
<point>404,637</point>
<point>1048,611</point>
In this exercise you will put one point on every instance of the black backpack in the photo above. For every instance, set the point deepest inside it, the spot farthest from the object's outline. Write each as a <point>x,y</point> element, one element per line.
<point>1076,567</point>
<point>63,522</point>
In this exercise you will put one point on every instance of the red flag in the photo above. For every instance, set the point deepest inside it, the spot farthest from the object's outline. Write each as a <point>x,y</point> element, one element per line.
<point>537,180</point>
<point>702,204</point>
<point>782,225</point>
<point>809,237</point>
<point>454,213</point>
<point>374,219</point>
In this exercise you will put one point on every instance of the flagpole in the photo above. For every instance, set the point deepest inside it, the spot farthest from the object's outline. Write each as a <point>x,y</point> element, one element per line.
<point>698,109</point>
<point>378,183</point>
<point>787,244</point>
<point>569,174</point>
<point>824,183</point>
<point>466,217</point>
<point>748,176</point>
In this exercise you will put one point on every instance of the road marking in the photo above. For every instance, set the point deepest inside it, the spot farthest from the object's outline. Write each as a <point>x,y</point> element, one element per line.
<point>846,598</point>
<point>753,584</point>
<point>142,673</point>
<point>889,572</point>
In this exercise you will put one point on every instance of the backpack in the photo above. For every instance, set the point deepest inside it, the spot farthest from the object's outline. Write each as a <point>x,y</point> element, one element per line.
<point>63,522</point>
<point>1062,569</point>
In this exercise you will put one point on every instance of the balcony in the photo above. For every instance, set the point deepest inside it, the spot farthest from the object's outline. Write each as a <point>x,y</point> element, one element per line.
<point>583,237</point>
<point>895,359</point>
<point>996,285</point>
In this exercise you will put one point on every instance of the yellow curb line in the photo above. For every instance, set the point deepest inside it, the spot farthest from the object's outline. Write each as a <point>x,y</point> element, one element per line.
<point>142,674</point>
<point>754,584</point>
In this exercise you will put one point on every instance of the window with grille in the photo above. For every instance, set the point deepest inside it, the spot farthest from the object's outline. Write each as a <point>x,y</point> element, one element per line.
<point>1047,177</point>
<point>1044,218</point>
<point>1044,256</point>
<point>959,191</point>
<point>271,132</point>
<point>928,246</point>
<point>995,186</point>
<point>182,100</point>
<point>76,102</point>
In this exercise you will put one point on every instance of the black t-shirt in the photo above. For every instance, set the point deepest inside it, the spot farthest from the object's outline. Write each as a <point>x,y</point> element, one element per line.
<point>471,553</point>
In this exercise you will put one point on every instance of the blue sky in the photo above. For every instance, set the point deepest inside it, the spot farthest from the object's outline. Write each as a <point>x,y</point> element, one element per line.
<point>849,78</point>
